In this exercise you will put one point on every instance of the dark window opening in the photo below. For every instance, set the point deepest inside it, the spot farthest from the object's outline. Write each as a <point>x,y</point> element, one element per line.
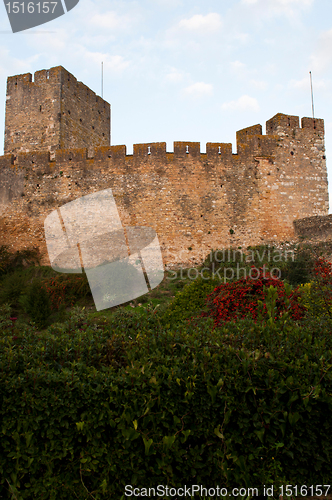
<point>292,152</point>
<point>93,127</point>
<point>37,185</point>
<point>324,157</point>
<point>103,134</point>
<point>81,120</point>
<point>40,108</point>
<point>201,215</point>
<point>221,185</point>
<point>68,112</point>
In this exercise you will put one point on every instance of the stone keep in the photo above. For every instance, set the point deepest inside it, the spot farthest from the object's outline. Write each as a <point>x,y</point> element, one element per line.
<point>57,149</point>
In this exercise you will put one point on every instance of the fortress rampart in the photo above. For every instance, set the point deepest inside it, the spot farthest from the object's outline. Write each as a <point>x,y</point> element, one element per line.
<point>195,201</point>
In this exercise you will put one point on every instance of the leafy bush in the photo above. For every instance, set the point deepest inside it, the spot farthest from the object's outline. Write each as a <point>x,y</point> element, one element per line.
<point>5,321</point>
<point>90,412</point>
<point>299,270</point>
<point>37,303</point>
<point>11,288</point>
<point>316,296</point>
<point>21,258</point>
<point>66,289</point>
<point>189,301</point>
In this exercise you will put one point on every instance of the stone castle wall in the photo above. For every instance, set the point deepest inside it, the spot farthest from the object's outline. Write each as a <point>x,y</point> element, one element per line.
<point>195,201</point>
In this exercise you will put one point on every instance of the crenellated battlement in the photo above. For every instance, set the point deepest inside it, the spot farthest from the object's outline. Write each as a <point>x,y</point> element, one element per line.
<point>51,77</point>
<point>286,123</point>
<point>250,142</point>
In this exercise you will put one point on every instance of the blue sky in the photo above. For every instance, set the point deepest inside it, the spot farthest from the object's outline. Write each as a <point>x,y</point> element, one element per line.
<point>186,70</point>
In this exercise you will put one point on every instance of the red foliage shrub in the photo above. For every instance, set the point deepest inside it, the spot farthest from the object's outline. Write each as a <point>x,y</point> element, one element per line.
<point>323,270</point>
<point>63,289</point>
<point>235,300</point>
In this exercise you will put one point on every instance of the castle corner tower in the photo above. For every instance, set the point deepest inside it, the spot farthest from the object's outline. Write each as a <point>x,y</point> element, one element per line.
<point>53,111</point>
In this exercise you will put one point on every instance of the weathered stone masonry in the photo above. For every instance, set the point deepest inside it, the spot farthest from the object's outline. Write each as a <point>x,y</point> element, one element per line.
<point>192,199</point>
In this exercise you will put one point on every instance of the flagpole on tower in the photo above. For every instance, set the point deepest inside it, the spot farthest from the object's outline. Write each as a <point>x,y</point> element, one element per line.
<point>312,97</point>
<point>102,80</point>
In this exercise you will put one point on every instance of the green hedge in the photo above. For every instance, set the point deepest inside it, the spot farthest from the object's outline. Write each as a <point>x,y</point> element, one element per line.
<point>87,409</point>
<point>190,300</point>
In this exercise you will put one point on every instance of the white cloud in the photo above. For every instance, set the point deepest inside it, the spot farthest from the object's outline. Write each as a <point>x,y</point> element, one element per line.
<point>189,34</point>
<point>304,84</point>
<point>238,66</point>
<point>199,89</point>
<point>242,37</point>
<point>201,24</point>
<point>280,4</point>
<point>175,75</point>
<point>289,8</point>
<point>168,4</point>
<point>93,59</point>
<point>259,84</point>
<point>117,63</point>
<point>321,58</point>
<point>243,103</point>
<point>111,21</point>
<point>10,66</point>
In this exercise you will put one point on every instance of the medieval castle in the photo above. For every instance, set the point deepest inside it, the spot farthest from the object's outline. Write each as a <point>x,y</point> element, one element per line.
<point>57,149</point>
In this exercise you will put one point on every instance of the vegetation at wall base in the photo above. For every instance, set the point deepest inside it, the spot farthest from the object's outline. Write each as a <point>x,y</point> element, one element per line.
<point>140,396</point>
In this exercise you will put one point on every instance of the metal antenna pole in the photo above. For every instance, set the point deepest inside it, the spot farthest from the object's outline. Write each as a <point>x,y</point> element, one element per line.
<point>312,97</point>
<point>102,79</point>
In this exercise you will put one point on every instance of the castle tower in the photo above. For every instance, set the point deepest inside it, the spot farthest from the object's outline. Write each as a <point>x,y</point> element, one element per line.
<point>54,111</point>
